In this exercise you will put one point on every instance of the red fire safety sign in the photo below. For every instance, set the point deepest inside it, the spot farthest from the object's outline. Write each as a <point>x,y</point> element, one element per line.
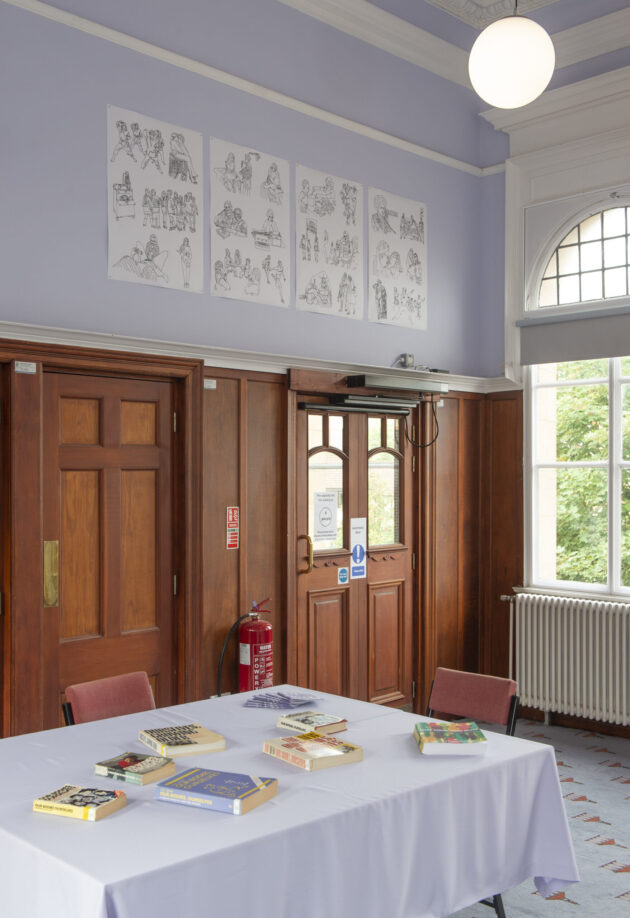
<point>232,528</point>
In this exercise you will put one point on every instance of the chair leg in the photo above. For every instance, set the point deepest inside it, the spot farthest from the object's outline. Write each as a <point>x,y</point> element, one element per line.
<point>496,903</point>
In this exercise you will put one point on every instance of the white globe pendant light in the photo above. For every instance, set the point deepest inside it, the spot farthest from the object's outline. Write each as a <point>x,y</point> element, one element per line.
<point>511,62</point>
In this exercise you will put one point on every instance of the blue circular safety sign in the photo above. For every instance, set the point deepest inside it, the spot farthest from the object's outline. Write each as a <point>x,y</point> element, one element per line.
<point>358,554</point>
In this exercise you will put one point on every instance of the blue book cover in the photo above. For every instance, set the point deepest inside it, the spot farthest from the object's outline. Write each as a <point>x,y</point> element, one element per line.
<point>225,791</point>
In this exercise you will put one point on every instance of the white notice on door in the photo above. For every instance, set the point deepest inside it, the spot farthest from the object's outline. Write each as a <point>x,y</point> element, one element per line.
<point>358,542</point>
<point>325,515</point>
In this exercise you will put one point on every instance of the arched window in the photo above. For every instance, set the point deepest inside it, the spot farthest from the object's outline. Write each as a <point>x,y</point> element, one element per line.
<point>592,261</point>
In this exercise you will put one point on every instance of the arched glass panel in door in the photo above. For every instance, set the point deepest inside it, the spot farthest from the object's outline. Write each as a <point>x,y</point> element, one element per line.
<point>384,481</point>
<point>327,462</point>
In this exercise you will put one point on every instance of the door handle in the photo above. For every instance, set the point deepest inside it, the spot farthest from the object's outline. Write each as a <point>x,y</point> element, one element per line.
<point>51,573</point>
<point>310,553</point>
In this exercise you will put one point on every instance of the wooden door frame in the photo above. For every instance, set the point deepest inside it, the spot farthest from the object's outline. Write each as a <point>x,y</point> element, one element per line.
<point>22,709</point>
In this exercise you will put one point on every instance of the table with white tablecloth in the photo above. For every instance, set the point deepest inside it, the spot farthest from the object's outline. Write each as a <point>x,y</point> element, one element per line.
<point>398,835</point>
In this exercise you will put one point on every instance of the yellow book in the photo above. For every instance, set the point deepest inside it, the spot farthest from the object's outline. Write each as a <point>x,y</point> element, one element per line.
<point>182,739</point>
<point>90,803</point>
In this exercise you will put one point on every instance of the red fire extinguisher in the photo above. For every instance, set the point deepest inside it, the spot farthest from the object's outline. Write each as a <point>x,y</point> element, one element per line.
<point>255,651</point>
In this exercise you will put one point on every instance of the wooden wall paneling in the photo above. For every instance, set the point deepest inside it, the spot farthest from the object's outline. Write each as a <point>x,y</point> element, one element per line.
<point>244,465</point>
<point>469,457</point>
<point>221,567</point>
<point>426,639</point>
<point>449,537</point>
<point>266,509</point>
<point>5,519</point>
<point>25,695</point>
<point>188,484</point>
<point>446,534</point>
<point>291,634</point>
<point>502,538</point>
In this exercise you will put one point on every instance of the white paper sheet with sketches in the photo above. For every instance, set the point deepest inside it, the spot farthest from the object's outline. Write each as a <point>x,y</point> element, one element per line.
<point>155,202</point>
<point>397,247</point>
<point>328,244</point>
<point>250,246</point>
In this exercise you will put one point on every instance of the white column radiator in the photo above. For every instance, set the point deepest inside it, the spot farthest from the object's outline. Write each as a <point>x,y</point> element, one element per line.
<point>572,655</point>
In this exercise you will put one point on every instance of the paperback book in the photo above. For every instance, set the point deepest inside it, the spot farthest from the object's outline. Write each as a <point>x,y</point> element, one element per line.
<point>313,750</point>
<point>281,700</point>
<point>136,768</point>
<point>439,738</point>
<point>183,739</point>
<point>225,791</point>
<point>304,721</point>
<point>89,803</point>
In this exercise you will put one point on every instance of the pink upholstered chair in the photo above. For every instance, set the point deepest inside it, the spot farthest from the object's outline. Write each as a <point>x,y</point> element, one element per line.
<point>476,697</point>
<point>109,697</point>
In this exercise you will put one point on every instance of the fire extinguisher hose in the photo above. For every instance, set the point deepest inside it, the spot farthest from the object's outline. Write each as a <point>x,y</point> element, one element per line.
<point>225,644</point>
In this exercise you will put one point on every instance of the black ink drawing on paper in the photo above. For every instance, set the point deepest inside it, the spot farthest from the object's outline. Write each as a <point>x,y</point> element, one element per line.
<point>220,276</point>
<point>386,262</point>
<point>124,142</point>
<point>279,278</point>
<point>154,149</point>
<point>269,234</point>
<point>408,305</point>
<point>348,195</point>
<point>412,228</point>
<point>157,197</point>
<point>146,262</point>
<point>380,295</point>
<point>230,222</point>
<point>414,267</point>
<point>243,271</point>
<point>317,291</point>
<point>185,254</point>
<point>343,251</point>
<point>271,188</point>
<point>381,216</point>
<point>237,182</point>
<point>309,241</point>
<point>347,295</point>
<point>123,202</point>
<point>170,210</point>
<point>318,199</point>
<point>180,163</point>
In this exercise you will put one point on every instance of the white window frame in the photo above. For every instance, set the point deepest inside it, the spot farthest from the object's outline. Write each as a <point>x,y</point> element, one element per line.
<point>614,464</point>
<point>582,308</point>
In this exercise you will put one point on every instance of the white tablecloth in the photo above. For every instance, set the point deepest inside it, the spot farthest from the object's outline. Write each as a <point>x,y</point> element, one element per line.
<point>399,835</point>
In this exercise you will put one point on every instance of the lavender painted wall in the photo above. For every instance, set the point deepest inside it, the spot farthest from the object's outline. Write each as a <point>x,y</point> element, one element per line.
<point>54,226</point>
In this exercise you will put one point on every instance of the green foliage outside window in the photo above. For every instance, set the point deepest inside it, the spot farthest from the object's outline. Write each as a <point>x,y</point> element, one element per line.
<point>582,435</point>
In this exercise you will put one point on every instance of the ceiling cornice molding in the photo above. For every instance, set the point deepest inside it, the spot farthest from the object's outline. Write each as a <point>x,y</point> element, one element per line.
<point>480,13</point>
<point>390,33</point>
<point>231,358</point>
<point>362,20</point>
<point>592,39</point>
<point>599,105</point>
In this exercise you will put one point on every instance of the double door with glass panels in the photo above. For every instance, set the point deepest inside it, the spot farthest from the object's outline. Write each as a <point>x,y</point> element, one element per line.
<point>354,555</point>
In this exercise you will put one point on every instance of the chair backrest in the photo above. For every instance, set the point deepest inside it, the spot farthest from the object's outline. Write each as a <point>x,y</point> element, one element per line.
<point>474,696</point>
<point>110,697</point>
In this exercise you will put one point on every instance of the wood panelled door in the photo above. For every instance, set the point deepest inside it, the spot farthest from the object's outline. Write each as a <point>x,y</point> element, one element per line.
<point>107,469</point>
<point>354,634</point>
